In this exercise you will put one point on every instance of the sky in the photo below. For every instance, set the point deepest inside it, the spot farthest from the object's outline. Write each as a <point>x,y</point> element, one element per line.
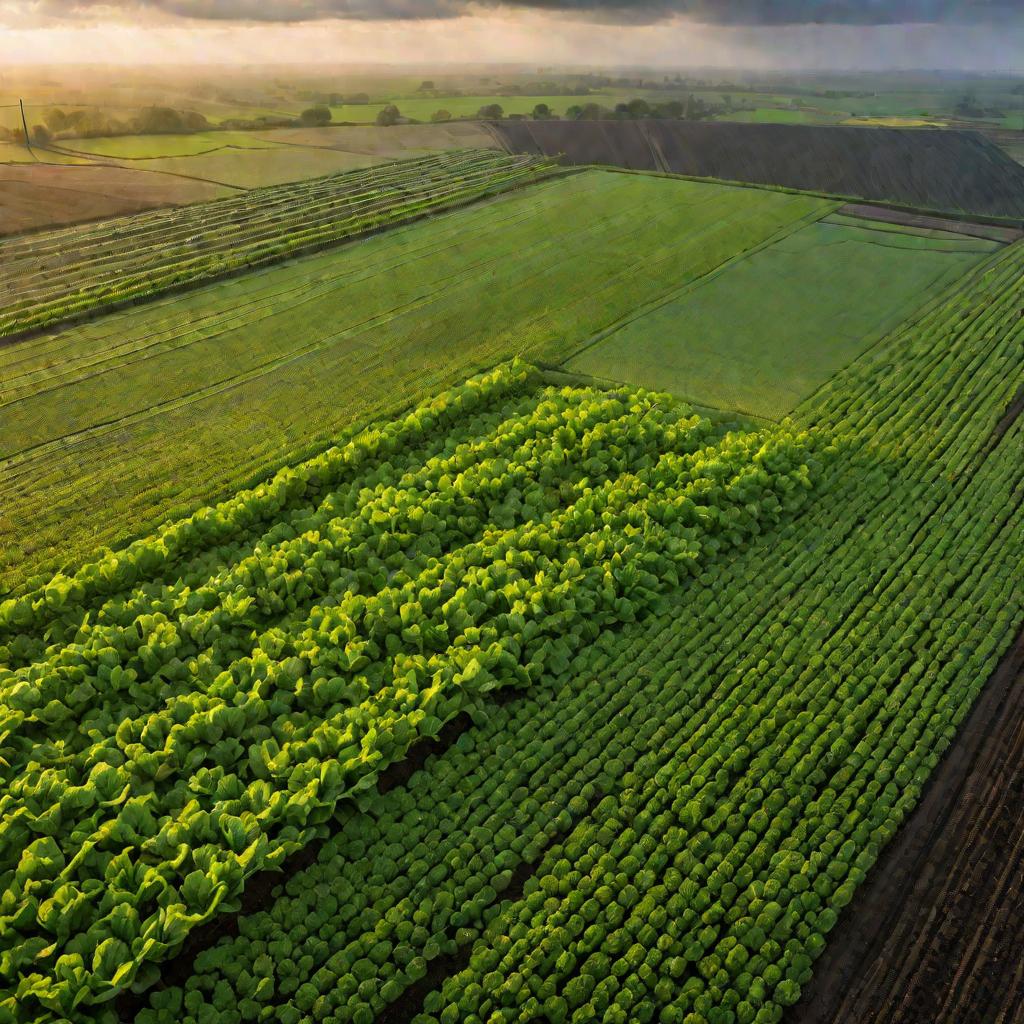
<point>984,35</point>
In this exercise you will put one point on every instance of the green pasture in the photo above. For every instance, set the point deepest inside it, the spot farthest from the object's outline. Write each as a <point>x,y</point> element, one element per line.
<point>776,115</point>
<point>146,147</point>
<point>110,426</point>
<point>256,168</point>
<point>767,330</point>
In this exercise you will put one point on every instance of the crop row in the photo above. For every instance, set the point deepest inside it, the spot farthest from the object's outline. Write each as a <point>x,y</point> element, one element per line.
<point>41,285</point>
<point>193,735</point>
<point>705,791</point>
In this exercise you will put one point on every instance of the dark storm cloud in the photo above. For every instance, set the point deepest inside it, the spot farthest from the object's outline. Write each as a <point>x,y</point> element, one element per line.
<point>717,12</point>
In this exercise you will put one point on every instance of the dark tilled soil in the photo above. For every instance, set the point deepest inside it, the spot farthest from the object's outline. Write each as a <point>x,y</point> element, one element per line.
<point>936,936</point>
<point>956,171</point>
<point>989,232</point>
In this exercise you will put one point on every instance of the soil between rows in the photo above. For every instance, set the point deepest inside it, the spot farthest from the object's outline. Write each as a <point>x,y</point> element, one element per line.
<point>934,936</point>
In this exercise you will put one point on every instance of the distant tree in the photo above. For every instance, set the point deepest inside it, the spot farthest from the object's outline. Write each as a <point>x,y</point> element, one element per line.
<point>594,112</point>
<point>41,135</point>
<point>316,117</point>
<point>426,87</point>
<point>358,98</point>
<point>388,115</point>
<point>968,106</point>
<point>491,111</point>
<point>670,109</point>
<point>166,120</point>
<point>574,112</point>
<point>639,108</point>
<point>695,109</point>
<point>541,112</point>
<point>56,119</point>
<point>441,115</point>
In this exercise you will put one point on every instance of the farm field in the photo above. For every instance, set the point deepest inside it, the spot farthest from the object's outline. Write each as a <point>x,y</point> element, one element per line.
<point>764,331</point>
<point>777,115</point>
<point>930,169</point>
<point>125,175</point>
<point>112,263</point>
<point>732,660</point>
<point>950,950</point>
<point>37,195</point>
<point>511,572</point>
<point>395,141</point>
<point>145,147</point>
<point>219,386</point>
<point>258,167</point>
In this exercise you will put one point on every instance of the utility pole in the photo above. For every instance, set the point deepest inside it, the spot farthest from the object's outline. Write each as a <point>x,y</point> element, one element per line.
<point>24,123</point>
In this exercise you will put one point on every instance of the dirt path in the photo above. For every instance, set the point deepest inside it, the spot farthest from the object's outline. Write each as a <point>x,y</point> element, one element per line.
<point>934,937</point>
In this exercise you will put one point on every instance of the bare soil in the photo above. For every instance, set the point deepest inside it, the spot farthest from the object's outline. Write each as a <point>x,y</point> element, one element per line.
<point>935,935</point>
<point>932,169</point>
<point>917,220</point>
<point>35,196</point>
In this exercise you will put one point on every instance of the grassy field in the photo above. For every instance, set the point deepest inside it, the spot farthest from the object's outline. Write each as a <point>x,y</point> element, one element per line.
<point>764,332</point>
<point>146,147</point>
<point>256,167</point>
<point>11,153</point>
<point>278,156</point>
<point>776,115</point>
<point>396,140</point>
<point>113,263</point>
<point>216,387</point>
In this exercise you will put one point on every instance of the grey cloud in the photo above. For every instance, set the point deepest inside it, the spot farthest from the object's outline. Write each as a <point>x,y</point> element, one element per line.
<point>718,12</point>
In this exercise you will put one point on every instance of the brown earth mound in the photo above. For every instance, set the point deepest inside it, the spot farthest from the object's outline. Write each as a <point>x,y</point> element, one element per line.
<point>933,169</point>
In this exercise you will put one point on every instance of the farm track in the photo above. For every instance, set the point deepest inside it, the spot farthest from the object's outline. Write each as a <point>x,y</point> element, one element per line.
<point>935,936</point>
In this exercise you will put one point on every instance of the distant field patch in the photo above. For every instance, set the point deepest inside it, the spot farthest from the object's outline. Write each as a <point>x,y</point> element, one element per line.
<point>776,115</point>
<point>11,153</point>
<point>396,140</point>
<point>145,147</point>
<point>111,425</point>
<point>764,332</point>
<point>256,168</point>
<point>895,122</point>
<point>35,196</point>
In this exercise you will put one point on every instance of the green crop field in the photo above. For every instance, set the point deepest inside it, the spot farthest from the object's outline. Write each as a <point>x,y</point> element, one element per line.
<point>115,262</point>
<point>145,147</point>
<point>446,584</point>
<point>728,661</point>
<point>777,115</point>
<point>762,333</point>
<point>220,385</point>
